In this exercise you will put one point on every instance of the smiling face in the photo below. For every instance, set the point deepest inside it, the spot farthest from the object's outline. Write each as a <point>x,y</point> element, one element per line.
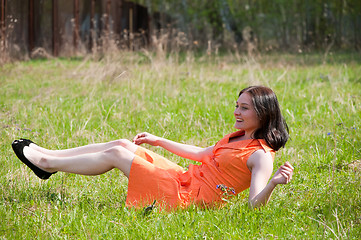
<point>245,114</point>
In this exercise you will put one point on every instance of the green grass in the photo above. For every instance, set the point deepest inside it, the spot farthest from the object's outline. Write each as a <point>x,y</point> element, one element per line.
<point>64,103</point>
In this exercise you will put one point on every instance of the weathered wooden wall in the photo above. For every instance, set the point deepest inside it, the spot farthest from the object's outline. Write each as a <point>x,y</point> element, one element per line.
<point>63,28</point>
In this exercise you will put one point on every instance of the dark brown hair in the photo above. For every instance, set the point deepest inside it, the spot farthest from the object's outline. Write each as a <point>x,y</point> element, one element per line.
<point>274,129</point>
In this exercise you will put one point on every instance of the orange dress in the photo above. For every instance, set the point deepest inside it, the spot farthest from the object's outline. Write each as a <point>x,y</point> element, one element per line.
<point>153,177</point>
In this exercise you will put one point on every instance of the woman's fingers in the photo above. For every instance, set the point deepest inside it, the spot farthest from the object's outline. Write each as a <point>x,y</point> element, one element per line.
<point>284,173</point>
<point>139,138</point>
<point>139,135</point>
<point>136,137</point>
<point>144,137</point>
<point>287,167</point>
<point>287,170</point>
<point>287,164</point>
<point>287,174</point>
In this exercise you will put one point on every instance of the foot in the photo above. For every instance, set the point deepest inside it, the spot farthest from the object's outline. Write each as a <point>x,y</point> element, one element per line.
<point>27,142</point>
<point>18,147</point>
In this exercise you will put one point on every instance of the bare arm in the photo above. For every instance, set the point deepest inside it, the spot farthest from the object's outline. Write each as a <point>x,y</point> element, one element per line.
<point>183,150</point>
<point>261,166</point>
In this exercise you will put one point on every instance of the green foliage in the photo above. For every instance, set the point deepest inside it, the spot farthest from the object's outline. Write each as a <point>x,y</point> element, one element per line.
<point>66,103</point>
<point>281,24</point>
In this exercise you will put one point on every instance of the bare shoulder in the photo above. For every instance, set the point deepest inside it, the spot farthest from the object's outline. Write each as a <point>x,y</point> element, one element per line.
<point>260,158</point>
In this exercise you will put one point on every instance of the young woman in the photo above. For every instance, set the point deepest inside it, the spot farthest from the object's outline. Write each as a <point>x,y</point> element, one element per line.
<point>240,160</point>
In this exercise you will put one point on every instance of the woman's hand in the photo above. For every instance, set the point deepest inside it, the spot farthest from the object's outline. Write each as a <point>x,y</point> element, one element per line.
<point>183,150</point>
<point>283,174</point>
<point>145,137</point>
<point>261,191</point>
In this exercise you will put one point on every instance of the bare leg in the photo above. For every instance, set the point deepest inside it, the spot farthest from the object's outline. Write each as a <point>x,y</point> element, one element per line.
<point>85,164</point>
<point>91,148</point>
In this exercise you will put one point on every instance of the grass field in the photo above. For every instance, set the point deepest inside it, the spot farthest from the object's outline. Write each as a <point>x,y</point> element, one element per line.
<point>62,103</point>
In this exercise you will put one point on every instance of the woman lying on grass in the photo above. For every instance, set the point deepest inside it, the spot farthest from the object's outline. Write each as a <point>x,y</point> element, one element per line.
<point>240,160</point>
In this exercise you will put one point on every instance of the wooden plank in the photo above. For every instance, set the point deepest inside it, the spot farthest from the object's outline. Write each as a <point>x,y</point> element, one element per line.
<point>76,24</point>
<point>107,16</point>
<point>31,37</point>
<point>55,28</point>
<point>119,16</point>
<point>92,30</point>
<point>2,22</point>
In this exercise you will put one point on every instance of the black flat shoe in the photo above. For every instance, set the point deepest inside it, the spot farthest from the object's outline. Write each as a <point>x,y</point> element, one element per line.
<point>18,147</point>
<point>26,141</point>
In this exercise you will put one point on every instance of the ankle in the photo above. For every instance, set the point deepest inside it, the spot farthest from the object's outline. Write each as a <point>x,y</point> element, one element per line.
<point>45,164</point>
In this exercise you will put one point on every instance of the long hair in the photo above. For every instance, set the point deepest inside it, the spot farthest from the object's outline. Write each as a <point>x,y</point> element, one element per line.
<point>273,127</point>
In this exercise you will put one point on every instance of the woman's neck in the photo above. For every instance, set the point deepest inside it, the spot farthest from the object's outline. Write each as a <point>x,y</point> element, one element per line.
<point>243,136</point>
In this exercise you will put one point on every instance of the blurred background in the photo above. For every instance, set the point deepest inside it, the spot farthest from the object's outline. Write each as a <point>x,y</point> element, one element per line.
<point>45,28</point>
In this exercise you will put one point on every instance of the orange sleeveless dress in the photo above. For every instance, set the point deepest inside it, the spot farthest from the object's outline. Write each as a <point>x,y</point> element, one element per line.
<point>153,177</point>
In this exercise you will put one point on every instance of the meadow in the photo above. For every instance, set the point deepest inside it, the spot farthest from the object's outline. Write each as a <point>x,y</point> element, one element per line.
<point>63,103</point>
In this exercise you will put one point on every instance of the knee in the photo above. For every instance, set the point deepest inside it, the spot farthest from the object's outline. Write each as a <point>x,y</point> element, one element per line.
<point>123,142</point>
<point>115,152</point>
<point>117,156</point>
